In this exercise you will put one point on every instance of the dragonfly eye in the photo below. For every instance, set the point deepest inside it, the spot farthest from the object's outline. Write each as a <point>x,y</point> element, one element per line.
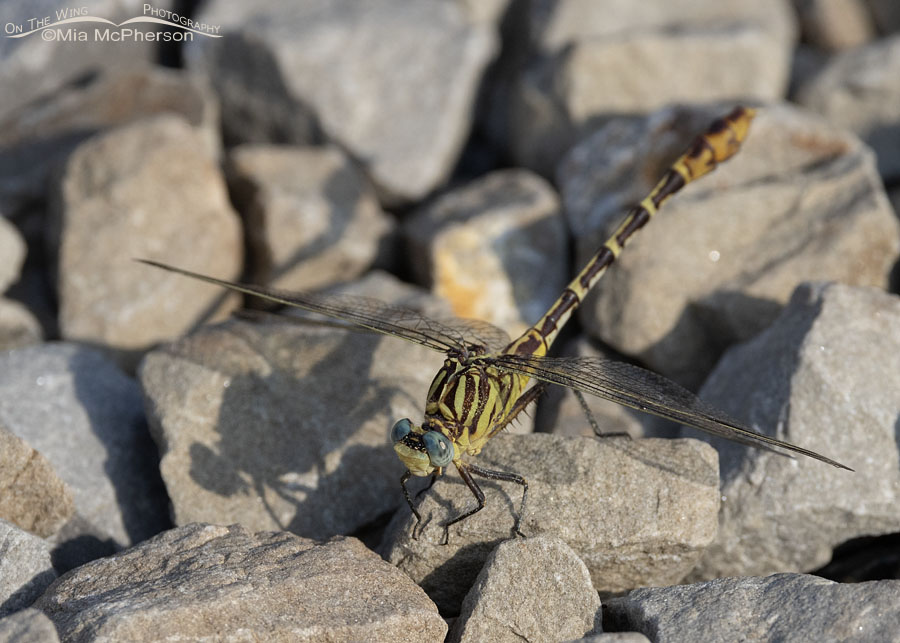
<point>400,430</point>
<point>439,448</point>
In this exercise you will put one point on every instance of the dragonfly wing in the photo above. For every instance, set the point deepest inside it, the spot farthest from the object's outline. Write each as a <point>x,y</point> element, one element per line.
<point>494,339</point>
<point>363,312</point>
<point>646,391</point>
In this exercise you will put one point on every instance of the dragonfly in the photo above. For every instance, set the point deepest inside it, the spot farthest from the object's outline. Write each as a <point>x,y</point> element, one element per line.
<point>482,385</point>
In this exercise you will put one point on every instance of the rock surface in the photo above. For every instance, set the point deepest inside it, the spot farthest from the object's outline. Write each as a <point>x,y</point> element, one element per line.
<point>28,626</point>
<point>12,253</point>
<point>150,189</point>
<point>31,494</point>
<point>496,249</point>
<point>560,412</point>
<point>312,219</point>
<point>637,512</point>
<point>785,607</point>
<point>535,590</point>
<point>18,327</point>
<point>834,25</point>
<point>588,65</point>
<point>825,376</point>
<point>203,582</point>
<point>82,414</point>
<point>344,60</point>
<point>33,66</point>
<point>802,200</point>
<point>25,568</point>
<point>37,137</point>
<point>283,425</point>
<point>858,90</point>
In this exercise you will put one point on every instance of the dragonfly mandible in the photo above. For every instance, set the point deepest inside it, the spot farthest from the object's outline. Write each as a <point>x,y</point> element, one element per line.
<point>481,387</point>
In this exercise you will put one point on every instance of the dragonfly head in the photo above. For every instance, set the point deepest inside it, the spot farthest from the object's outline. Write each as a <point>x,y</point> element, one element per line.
<point>421,451</point>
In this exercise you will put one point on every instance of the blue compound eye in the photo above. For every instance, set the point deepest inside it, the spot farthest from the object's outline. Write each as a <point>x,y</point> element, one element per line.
<point>400,430</point>
<point>439,448</point>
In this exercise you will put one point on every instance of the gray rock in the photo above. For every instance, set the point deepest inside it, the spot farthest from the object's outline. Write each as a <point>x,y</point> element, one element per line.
<point>560,412</point>
<point>614,637</point>
<point>894,197</point>
<point>282,425</point>
<point>25,568</point>
<point>12,252</point>
<point>534,590</point>
<point>28,626</point>
<point>637,512</point>
<point>203,582</point>
<point>802,200</point>
<point>556,24</point>
<point>149,189</point>
<point>32,66</point>
<point>393,83</point>
<point>31,494</point>
<point>487,11</point>
<point>833,25</point>
<point>84,415</point>
<point>858,90</point>
<point>825,376</point>
<point>18,327</point>
<point>39,136</point>
<point>496,248</point>
<point>594,61</point>
<point>783,607</point>
<point>886,14</point>
<point>311,218</point>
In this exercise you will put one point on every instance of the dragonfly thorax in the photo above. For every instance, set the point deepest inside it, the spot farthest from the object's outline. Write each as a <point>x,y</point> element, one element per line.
<point>468,399</point>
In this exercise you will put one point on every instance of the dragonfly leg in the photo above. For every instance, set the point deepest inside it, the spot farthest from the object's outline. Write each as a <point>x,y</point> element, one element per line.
<point>430,485</point>
<point>466,471</point>
<point>590,418</point>
<point>524,400</point>
<point>409,501</point>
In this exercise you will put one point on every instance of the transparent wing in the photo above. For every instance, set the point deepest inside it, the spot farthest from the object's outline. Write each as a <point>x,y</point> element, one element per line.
<point>372,314</point>
<point>494,339</point>
<point>645,391</point>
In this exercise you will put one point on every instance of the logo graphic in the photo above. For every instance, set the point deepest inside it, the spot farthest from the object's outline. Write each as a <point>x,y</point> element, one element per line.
<point>72,25</point>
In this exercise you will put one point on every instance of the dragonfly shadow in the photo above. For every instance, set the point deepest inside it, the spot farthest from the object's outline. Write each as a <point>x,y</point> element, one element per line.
<point>645,452</point>
<point>294,445</point>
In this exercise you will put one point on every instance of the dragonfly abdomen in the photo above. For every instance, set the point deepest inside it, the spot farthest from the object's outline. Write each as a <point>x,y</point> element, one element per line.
<point>719,143</point>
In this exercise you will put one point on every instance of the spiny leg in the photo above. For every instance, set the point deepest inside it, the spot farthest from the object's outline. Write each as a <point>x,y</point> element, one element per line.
<point>409,501</point>
<point>590,418</point>
<point>465,472</point>
<point>434,477</point>
<point>506,476</point>
<point>524,400</point>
